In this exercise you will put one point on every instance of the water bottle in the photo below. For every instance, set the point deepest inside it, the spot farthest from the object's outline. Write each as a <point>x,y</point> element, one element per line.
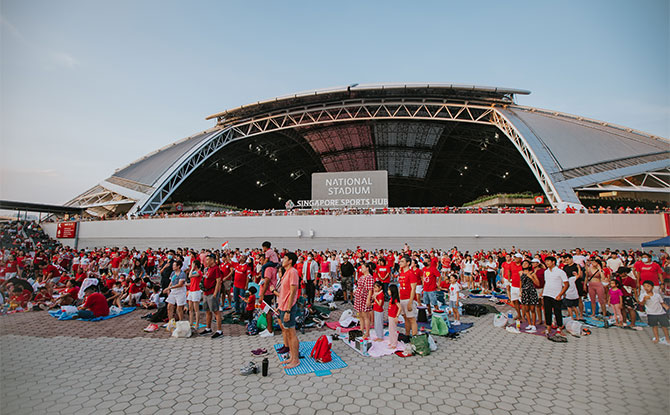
<point>460,310</point>
<point>510,318</point>
<point>266,364</point>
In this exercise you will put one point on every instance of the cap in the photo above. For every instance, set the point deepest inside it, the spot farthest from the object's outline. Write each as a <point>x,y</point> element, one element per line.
<point>518,255</point>
<point>535,260</point>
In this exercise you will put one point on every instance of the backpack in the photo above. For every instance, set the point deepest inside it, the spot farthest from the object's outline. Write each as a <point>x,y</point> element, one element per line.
<point>438,326</point>
<point>160,315</point>
<point>476,310</point>
<point>321,350</point>
<point>421,344</point>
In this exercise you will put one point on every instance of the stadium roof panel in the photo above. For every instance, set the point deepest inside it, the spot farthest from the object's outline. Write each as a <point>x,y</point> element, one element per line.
<point>436,90</point>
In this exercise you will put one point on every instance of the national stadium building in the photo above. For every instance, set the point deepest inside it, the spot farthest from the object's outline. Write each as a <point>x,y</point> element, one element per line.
<point>440,144</point>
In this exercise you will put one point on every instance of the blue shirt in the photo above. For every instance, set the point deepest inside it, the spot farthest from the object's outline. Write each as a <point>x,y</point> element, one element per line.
<point>174,278</point>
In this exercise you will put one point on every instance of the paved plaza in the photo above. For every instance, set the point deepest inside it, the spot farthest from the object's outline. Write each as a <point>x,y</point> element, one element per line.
<point>112,367</point>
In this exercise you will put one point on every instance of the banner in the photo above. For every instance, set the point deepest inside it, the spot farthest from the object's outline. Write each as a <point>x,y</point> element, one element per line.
<point>66,230</point>
<point>358,189</point>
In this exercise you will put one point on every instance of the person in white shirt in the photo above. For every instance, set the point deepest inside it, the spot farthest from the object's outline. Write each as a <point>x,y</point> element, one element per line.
<point>555,286</point>
<point>655,308</point>
<point>614,262</point>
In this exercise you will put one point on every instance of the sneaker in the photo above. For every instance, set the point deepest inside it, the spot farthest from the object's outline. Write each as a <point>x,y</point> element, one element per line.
<point>636,328</point>
<point>249,369</point>
<point>266,333</point>
<point>531,329</point>
<point>282,350</point>
<point>456,323</point>
<point>151,328</point>
<point>259,352</point>
<point>206,332</point>
<point>217,335</point>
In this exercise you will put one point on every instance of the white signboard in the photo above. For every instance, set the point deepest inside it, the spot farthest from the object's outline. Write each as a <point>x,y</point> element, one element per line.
<point>364,189</point>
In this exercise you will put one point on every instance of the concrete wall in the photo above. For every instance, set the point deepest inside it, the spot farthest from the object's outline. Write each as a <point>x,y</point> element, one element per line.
<point>474,231</point>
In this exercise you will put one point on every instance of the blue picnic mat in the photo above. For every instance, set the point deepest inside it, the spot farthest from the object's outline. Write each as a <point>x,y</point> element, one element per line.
<point>309,365</point>
<point>63,316</point>
<point>452,329</point>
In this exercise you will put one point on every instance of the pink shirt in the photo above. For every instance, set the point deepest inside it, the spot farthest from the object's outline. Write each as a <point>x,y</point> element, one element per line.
<point>289,279</point>
<point>615,296</point>
<point>271,256</point>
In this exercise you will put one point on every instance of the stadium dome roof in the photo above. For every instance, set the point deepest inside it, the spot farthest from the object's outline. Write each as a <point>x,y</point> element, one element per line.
<point>441,144</point>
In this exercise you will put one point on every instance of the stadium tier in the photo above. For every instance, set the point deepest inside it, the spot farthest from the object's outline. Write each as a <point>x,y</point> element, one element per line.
<point>441,145</point>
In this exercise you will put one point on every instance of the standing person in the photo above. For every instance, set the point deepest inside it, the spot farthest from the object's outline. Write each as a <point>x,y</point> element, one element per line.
<point>394,312</point>
<point>334,267</point>
<point>469,268</point>
<point>615,301</point>
<point>646,270</point>
<point>576,286</point>
<point>655,308</point>
<point>211,285</point>
<point>430,274</point>
<point>166,269</point>
<point>378,309</point>
<point>363,297</point>
<point>227,273</point>
<point>240,283</point>
<point>555,286</point>
<point>630,296</point>
<point>491,267</point>
<point>515,282</point>
<point>595,275</point>
<point>288,308</point>
<point>309,270</point>
<point>383,275</point>
<point>271,257</point>
<point>407,291</point>
<point>454,290</point>
<point>347,270</point>
<point>266,295</point>
<point>176,291</point>
<point>538,270</point>
<point>194,294</point>
<point>529,298</point>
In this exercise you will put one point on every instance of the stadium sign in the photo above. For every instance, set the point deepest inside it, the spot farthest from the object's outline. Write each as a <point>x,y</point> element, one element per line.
<point>364,189</point>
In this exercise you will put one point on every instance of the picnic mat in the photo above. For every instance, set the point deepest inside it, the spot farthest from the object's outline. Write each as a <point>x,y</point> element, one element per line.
<point>452,329</point>
<point>333,325</point>
<point>378,349</point>
<point>309,365</point>
<point>64,316</point>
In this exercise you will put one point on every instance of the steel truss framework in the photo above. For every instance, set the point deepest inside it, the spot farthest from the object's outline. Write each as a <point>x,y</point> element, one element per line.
<point>651,182</point>
<point>345,111</point>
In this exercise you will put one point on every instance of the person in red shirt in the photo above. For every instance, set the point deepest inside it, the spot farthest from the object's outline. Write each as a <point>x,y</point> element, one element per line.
<point>378,309</point>
<point>43,299</point>
<point>407,283</point>
<point>287,295</point>
<point>227,273</point>
<point>240,283</point>
<point>95,305</point>
<point>646,270</point>
<point>383,275</point>
<point>515,282</point>
<point>194,294</point>
<point>212,283</point>
<point>19,298</point>
<point>430,274</point>
<point>250,300</point>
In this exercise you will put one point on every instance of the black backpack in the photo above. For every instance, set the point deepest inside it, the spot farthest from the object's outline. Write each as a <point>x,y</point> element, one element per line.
<point>476,310</point>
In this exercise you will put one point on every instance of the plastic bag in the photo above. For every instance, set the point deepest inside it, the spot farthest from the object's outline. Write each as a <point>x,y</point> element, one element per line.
<point>431,343</point>
<point>114,310</point>
<point>420,343</point>
<point>262,322</point>
<point>499,320</point>
<point>574,327</point>
<point>438,326</point>
<point>346,318</point>
<point>171,325</point>
<point>182,329</point>
<point>69,309</point>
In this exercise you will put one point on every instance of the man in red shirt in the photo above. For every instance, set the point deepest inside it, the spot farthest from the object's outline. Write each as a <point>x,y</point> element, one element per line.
<point>240,283</point>
<point>227,278</point>
<point>430,274</point>
<point>94,306</point>
<point>646,270</point>
<point>210,295</point>
<point>407,289</point>
<point>288,308</point>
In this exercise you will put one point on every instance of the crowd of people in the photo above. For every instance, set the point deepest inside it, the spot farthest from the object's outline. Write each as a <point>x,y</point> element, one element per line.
<point>381,211</point>
<point>380,284</point>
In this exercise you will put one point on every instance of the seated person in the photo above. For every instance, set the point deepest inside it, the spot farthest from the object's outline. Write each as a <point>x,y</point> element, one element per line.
<point>69,296</point>
<point>155,300</point>
<point>43,299</point>
<point>250,299</point>
<point>135,292</point>
<point>95,304</point>
<point>19,298</point>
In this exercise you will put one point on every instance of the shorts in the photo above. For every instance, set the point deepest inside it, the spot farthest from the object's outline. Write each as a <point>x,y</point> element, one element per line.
<point>506,282</point>
<point>293,312</point>
<point>419,289</point>
<point>178,298</point>
<point>135,296</point>
<point>571,303</point>
<point>225,287</point>
<point>211,303</point>
<point>194,296</point>
<point>430,297</point>
<point>408,314</point>
<point>515,293</point>
<point>325,275</point>
<point>347,283</point>
<point>658,320</point>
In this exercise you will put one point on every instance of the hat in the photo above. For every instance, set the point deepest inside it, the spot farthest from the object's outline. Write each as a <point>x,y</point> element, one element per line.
<point>535,260</point>
<point>518,255</point>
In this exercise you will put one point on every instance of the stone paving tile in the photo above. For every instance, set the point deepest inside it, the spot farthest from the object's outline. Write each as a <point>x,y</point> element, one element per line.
<point>484,371</point>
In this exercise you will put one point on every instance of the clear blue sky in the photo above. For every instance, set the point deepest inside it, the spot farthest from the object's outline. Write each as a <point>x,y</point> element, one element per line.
<point>89,86</point>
